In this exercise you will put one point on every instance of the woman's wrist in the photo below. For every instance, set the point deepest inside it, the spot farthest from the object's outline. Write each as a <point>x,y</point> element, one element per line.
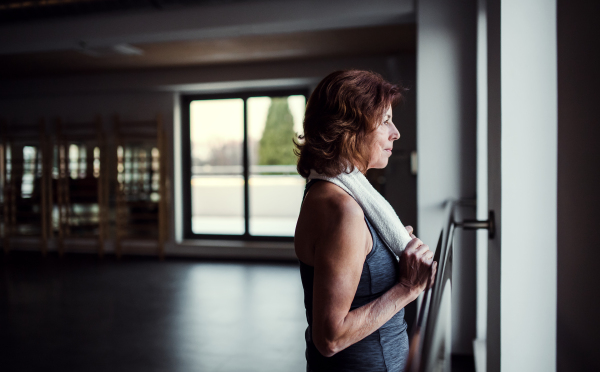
<point>408,293</point>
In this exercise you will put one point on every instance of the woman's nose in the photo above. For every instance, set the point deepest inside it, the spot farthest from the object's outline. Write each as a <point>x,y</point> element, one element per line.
<point>395,133</point>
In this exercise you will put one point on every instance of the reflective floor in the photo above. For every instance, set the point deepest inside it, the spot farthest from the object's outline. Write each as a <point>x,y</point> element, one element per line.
<point>80,313</point>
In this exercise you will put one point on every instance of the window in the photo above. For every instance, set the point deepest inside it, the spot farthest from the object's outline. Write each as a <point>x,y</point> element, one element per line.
<point>239,166</point>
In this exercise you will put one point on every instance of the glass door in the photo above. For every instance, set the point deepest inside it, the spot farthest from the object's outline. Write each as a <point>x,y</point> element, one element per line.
<point>242,166</point>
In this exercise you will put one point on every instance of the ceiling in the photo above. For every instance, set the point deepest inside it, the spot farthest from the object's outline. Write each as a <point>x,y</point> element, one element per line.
<point>361,41</point>
<point>19,11</point>
<point>62,37</point>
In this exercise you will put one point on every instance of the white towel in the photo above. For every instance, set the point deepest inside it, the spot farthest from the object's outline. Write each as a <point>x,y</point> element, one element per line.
<point>379,212</point>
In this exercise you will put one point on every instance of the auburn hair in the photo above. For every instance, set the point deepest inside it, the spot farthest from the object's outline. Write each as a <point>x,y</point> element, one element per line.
<point>342,110</point>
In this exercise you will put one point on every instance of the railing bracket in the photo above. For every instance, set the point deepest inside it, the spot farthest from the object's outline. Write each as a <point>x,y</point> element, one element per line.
<point>489,225</point>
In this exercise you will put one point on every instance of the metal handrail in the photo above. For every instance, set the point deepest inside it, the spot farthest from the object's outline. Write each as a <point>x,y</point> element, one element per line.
<point>430,342</point>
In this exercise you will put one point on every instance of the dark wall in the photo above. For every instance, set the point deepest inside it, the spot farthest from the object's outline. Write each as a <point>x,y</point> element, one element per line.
<point>401,184</point>
<point>396,181</point>
<point>493,340</point>
<point>578,313</point>
<point>400,187</point>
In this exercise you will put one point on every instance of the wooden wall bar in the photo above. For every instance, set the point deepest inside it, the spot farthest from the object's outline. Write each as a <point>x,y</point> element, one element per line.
<point>70,184</point>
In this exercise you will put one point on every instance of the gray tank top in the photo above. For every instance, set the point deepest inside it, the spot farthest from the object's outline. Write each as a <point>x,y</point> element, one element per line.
<point>386,349</point>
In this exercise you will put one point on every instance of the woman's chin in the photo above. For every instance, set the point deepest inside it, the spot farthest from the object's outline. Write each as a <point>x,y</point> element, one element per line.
<point>379,165</point>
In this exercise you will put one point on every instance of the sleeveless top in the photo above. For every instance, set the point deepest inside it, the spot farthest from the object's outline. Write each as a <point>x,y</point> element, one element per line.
<point>386,349</point>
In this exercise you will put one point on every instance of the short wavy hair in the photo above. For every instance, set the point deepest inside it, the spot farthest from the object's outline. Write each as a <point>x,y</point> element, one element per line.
<point>342,110</point>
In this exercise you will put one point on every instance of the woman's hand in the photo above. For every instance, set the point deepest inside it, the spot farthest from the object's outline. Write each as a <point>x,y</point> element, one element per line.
<point>416,266</point>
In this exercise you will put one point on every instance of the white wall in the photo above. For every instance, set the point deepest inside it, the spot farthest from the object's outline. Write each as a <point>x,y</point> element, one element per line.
<point>482,169</point>
<point>479,344</point>
<point>446,124</point>
<point>523,171</point>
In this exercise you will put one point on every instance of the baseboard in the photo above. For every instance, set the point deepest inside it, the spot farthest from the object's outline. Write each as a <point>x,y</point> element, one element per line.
<point>213,249</point>
<point>234,249</point>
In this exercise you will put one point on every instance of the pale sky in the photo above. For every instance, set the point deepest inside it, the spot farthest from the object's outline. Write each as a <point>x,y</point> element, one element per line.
<point>223,119</point>
<point>217,120</point>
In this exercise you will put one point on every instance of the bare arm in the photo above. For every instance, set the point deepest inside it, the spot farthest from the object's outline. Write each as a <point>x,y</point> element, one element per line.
<point>338,260</point>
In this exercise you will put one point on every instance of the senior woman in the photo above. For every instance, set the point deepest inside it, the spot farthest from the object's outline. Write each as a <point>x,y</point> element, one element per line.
<point>355,289</point>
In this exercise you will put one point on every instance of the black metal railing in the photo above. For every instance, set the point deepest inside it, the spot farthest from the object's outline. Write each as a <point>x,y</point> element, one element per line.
<point>430,347</point>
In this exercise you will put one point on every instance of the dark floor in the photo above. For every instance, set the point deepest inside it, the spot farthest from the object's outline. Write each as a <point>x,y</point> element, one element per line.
<point>80,313</point>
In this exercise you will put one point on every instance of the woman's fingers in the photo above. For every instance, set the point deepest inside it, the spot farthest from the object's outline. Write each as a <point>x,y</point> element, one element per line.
<point>417,267</point>
<point>413,245</point>
<point>433,272</point>
<point>428,257</point>
<point>422,251</point>
<point>410,231</point>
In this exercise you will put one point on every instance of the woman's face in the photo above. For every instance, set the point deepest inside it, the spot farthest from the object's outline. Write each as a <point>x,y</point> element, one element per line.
<point>382,141</point>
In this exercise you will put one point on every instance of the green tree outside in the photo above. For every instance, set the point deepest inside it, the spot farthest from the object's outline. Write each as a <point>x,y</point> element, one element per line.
<point>276,146</point>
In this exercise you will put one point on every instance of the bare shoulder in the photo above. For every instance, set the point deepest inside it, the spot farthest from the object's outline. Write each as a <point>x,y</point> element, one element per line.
<point>329,217</point>
<point>331,202</point>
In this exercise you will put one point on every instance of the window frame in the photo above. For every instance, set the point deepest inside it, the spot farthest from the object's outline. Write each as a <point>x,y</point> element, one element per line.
<point>186,161</point>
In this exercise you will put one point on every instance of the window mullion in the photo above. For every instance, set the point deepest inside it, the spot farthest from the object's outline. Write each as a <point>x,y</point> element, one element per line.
<point>246,172</point>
